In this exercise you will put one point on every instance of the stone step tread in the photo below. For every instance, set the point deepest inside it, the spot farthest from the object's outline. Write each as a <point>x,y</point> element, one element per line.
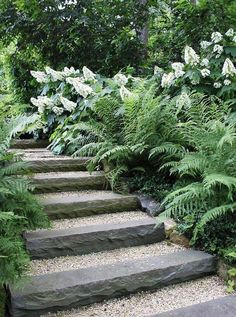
<point>93,238</point>
<point>65,175</point>
<point>42,234</point>
<point>220,307</point>
<point>73,204</point>
<point>123,254</point>
<point>117,218</point>
<point>147,303</point>
<point>70,289</point>
<point>79,196</point>
<point>56,158</point>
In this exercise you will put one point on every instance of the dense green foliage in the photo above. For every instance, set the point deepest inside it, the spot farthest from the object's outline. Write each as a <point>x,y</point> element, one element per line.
<point>106,38</point>
<point>71,34</point>
<point>165,122</point>
<point>162,124</point>
<point>19,210</point>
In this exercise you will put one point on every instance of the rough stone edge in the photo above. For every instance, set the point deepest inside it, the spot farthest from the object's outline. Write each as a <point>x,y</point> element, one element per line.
<point>29,143</point>
<point>153,209</point>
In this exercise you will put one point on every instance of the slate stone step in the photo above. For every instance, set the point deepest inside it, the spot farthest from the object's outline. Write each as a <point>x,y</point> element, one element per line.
<point>56,164</point>
<point>29,143</point>
<point>68,181</point>
<point>71,289</point>
<point>82,204</point>
<point>93,238</point>
<point>221,307</point>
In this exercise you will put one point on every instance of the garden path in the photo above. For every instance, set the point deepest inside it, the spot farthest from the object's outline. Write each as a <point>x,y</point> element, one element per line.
<point>102,246</point>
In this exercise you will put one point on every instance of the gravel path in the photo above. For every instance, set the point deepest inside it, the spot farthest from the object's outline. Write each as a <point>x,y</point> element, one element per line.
<point>82,195</point>
<point>59,264</point>
<point>66,175</point>
<point>147,303</point>
<point>119,217</point>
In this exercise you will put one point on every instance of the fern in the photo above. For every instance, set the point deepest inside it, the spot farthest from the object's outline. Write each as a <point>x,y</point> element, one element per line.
<point>19,210</point>
<point>209,168</point>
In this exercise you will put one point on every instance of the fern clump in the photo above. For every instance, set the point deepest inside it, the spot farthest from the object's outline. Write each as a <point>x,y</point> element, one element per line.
<point>19,211</point>
<point>207,163</point>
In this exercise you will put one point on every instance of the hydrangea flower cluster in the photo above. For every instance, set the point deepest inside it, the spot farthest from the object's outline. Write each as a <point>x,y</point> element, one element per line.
<point>88,74</point>
<point>125,93</point>
<point>82,89</point>
<point>120,79</point>
<point>58,103</point>
<point>212,65</point>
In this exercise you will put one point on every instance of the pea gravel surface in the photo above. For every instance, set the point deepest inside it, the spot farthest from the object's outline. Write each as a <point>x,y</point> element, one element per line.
<point>39,267</point>
<point>119,217</point>
<point>148,303</point>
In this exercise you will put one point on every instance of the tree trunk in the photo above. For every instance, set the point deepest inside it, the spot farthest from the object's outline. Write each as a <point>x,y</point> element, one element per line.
<point>143,33</point>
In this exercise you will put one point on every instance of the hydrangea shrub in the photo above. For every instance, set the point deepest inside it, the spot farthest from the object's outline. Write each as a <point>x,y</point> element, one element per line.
<point>212,70</point>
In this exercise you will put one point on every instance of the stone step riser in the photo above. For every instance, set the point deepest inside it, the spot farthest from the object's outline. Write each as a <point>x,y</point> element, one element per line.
<point>29,144</point>
<point>69,184</point>
<point>56,165</point>
<point>71,289</point>
<point>89,208</point>
<point>90,239</point>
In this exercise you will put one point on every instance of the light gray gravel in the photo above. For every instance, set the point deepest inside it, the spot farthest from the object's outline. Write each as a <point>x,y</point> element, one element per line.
<point>66,175</point>
<point>59,264</point>
<point>118,217</point>
<point>147,303</point>
<point>83,195</point>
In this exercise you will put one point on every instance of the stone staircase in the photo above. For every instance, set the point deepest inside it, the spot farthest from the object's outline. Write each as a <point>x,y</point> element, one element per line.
<point>101,245</point>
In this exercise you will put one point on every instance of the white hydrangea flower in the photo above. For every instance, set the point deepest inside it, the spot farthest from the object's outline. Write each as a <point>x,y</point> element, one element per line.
<point>41,77</point>
<point>228,68</point>
<point>55,75</point>
<point>38,104</point>
<point>183,100</point>
<point>46,101</point>
<point>234,39</point>
<point>57,110</point>
<point>230,32</point>
<point>68,104</point>
<point>82,89</point>
<point>125,93</point>
<point>121,79</point>
<point>190,56</point>
<point>69,71</point>
<point>42,102</point>
<point>227,82</point>
<point>204,44</point>
<point>205,72</point>
<point>167,80</point>
<point>157,70</point>
<point>218,49</point>
<point>205,62</point>
<point>178,68</point>
<point>88,74</point>
<point>216,37</point>
<point>217,85</point>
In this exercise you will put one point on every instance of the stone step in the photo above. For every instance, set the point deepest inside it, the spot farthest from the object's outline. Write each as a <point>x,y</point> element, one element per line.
<point>68,181</point>
<point>93,238</point>
<point>85,203</point>
<point>125,254</point>
<point>52,163</point>
<point>149,302</point>
<point>70,289</point>
<point>29,143</point>
<point>220,307</point>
